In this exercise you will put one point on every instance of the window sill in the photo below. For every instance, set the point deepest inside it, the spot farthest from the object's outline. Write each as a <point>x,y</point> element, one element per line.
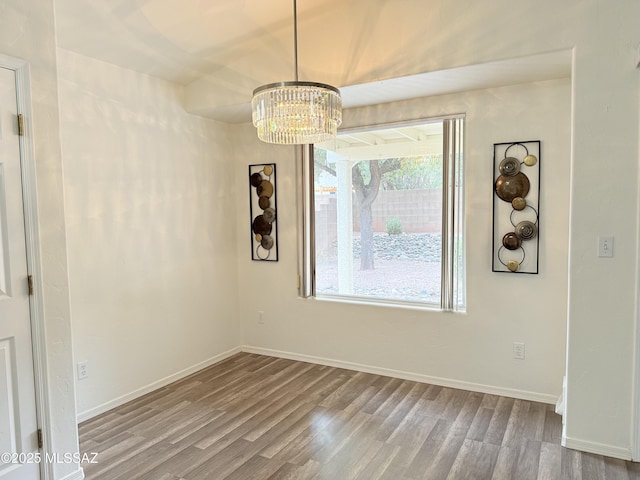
<point>385,303</point>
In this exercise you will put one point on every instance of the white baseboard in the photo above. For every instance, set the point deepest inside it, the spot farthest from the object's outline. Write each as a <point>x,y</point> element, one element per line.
<point>77,475</point>
<point>573,443</point>
<point>597,448</point>
<point>416,377</point>
<point>116,402</point>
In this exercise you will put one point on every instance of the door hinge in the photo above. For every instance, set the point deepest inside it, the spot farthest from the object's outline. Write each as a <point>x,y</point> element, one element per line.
<point>40,442</point>
<point>21,125</point>
<point>30,282</point>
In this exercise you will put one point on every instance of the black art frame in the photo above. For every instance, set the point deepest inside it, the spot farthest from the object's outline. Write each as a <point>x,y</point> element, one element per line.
<point>506,218</point>
<point>263,210</point>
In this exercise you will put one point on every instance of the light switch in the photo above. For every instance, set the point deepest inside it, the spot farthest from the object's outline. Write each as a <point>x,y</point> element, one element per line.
<point>605,246</point>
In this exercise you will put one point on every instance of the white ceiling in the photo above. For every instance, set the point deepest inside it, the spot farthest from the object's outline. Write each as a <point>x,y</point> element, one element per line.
<point>547,66</point>
<point>179,40</point>
<point>242,44</point>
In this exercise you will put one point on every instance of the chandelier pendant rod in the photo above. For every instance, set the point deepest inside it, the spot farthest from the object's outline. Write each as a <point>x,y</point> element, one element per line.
<point>295,38</point>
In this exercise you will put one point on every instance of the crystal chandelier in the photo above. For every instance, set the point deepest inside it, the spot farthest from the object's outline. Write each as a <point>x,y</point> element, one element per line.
<point>293,113</point>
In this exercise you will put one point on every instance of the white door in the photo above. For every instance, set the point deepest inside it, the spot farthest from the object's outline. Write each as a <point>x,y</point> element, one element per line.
<point>18,423</point>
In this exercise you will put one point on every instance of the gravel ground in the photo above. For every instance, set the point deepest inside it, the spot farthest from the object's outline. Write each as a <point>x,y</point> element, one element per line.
<point>407,267</point>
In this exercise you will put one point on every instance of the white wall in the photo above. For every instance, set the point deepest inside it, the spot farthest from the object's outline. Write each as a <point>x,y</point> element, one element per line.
<point>27,32</point>
<point>602,318</point>
<point>150,210</point>
<point>602,294</point>
<point>473,349</point>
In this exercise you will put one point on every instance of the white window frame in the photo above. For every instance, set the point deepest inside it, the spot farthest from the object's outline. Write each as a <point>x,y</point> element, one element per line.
<point>453,282</point>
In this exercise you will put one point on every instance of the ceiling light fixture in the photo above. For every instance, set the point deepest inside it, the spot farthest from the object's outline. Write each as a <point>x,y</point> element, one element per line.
<point>294,113</point>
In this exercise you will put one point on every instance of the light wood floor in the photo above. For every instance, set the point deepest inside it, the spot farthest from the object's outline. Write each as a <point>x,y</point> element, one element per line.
<point>254,417</point>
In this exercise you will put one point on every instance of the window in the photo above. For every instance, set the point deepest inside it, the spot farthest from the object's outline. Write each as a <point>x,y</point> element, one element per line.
<point>384,215</point>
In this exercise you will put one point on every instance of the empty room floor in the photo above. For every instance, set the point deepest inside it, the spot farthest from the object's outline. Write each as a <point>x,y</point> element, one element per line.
<point>254,417</point>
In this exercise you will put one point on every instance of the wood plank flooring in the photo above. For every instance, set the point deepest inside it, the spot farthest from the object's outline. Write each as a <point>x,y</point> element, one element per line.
<point>253,417</point>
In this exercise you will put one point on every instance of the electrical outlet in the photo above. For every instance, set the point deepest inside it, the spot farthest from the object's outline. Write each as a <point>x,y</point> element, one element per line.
<point>260,318</point>
<point>83,371</point>
<point>518,350</point>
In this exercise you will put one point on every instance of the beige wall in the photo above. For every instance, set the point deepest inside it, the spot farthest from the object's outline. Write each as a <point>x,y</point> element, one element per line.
<point>471,350</point>
<point>150,192</point>
<point>601,307</point>
<point>27,32</point>
<point>604,138</point>
<point>602,128</point>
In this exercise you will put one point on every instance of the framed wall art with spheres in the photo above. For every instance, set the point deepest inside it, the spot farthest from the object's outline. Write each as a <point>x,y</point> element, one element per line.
<point>263,208</point>
<point>516,207</point>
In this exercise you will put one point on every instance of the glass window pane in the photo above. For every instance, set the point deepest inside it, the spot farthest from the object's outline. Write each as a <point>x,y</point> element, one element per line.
<point>378,214</point>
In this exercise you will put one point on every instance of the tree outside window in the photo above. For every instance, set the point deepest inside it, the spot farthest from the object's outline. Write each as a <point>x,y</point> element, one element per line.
<point>379,224</point>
